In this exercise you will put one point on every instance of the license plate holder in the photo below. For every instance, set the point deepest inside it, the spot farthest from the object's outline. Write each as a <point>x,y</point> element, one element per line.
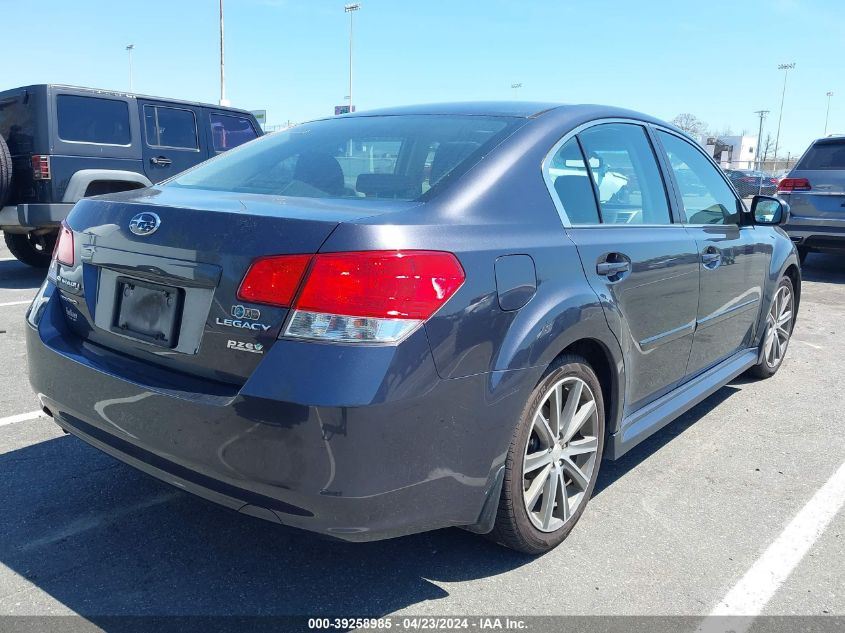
<point>148,312</point>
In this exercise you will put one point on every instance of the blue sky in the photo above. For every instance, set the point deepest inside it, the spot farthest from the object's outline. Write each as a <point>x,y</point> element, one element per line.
<point>715,59</point>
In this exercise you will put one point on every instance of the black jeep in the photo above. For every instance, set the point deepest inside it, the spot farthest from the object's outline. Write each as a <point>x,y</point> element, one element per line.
<point>62,143</point>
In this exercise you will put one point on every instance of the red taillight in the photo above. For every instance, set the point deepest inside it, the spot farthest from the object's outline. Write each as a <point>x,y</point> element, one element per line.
<point>794,184</point>
<point>40,167</point>
<point>774,181</point>
<point>381,284</point>
<point>63,252</point>
<point>273,280</point>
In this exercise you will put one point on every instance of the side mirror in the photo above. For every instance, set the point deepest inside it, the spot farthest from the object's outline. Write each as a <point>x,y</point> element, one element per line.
<point>769,211</point>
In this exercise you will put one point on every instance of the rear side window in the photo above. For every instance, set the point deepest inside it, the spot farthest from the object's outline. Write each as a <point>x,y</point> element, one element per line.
<point>387,157</point>
<point>170,127</point>
<point>93,120</point>
<point>570,179</point>
<point>825,154</point>
<point>229,131</point>
<point>17,119</point>
<point>627,178</point>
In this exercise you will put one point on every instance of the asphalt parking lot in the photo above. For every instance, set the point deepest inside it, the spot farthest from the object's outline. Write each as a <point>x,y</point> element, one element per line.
<point>674,526</point>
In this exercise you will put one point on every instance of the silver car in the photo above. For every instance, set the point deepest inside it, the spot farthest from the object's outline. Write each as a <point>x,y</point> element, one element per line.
<point>815,191</point>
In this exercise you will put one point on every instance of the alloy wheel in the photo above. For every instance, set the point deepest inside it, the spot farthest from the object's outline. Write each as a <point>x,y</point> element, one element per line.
<point>560,456</point>
<point>778,327</point>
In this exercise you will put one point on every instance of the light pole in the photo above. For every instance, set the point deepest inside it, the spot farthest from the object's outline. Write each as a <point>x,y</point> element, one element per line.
<point>129,49</point>
<point>516,88</point>
<point>827,113</point>
<point>223,100</point>
<point>351,9</point>
<point>785,68</point>
<point>762,114</point>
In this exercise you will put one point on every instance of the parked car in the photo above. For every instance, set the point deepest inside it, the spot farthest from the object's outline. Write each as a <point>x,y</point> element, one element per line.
<point>815,191</point>
<point>59,144</point>
<point>377,355</point>
<point>751,183</point>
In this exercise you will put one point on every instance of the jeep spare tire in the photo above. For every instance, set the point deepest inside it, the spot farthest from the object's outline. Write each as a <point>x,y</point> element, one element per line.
<point>5,172</point>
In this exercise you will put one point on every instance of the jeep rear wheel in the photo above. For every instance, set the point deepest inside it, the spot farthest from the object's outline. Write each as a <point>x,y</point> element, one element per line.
<point>33,250</point>
<point>5,172</point>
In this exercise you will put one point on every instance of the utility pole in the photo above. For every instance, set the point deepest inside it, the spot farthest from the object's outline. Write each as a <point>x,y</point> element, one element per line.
<point>785,68</point>
<point>827,113</point>
<point>762,114</point>
<point>131,47</point>
<point>223,100</point>
<point>351,9</point>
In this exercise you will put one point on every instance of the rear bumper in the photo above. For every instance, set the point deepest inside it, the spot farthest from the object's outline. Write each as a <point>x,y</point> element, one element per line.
<point>421,453</point>
<point>32,216</point>
<point>817,234</point>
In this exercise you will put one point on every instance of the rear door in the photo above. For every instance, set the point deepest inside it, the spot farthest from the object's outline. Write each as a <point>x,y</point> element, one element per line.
<point>172,141</point>
<point>641,263</point>
<point>733,259</point>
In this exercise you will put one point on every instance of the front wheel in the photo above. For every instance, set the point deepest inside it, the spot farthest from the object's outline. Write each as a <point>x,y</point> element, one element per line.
<point>779,323</point>
<point>34,250</point>
<point>553,460</point>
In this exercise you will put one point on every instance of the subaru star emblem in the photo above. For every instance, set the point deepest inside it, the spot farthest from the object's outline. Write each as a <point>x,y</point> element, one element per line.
<point>144,224</point>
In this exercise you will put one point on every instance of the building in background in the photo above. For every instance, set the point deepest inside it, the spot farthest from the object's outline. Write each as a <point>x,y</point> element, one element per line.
<point>732,152</point>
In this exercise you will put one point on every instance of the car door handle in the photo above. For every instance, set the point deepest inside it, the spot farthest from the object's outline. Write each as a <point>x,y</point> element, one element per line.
<point>711,257</point>
<point>161,161</point>
<point>611,269</point>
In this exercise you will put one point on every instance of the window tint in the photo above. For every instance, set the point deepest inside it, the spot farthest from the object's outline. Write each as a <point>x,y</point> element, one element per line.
<point>356,157</point>
<point>93,120</point>
<point>824,154</point>
<point>706,197</point>
<point>170,127</point>
<point>626,175</point>
<point>571,182</point>
<point>229,131</point>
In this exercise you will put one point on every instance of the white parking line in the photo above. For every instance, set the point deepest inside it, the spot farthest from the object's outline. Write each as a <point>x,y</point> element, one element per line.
<point>813,345</point>
<point>754,590</point>
<point>22,417</point>
<point>15,303</point>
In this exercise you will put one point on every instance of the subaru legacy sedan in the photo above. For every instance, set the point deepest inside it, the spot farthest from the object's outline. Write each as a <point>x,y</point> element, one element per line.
<point>403,320</point>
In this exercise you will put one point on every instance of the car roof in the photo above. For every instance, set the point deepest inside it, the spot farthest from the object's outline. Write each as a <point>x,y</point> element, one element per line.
<point>131,95</point>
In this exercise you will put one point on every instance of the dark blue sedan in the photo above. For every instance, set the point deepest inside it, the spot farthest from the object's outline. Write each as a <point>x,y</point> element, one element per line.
<point>396,321</point>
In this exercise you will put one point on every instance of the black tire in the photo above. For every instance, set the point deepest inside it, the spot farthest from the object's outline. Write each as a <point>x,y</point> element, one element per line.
<point>513,527</point>
<point>765,368</point>
<point>5,172</point>
<point>33,250</point>
<point>803,251</point>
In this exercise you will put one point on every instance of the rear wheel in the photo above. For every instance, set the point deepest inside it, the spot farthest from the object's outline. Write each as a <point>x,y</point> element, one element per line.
<point>34,250</point>
<point>779,322</point>
<point>553,460</point>
<point>803,251</point>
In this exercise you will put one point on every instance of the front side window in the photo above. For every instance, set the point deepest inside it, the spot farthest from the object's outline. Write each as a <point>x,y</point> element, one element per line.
<point>706,197</point>
<point>626,175</point>
<point>229,131</point>
<point>389,157</point>
<point>170,127</point>
<point>570,179</point>
<point>93,120</point>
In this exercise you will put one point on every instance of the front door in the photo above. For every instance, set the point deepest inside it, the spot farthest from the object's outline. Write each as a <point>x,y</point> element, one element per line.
<point>172,143</point>
<point>734,259</point>
<point>642,265</point>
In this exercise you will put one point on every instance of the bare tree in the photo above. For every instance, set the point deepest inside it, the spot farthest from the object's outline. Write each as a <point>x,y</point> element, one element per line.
<point>690,124</point>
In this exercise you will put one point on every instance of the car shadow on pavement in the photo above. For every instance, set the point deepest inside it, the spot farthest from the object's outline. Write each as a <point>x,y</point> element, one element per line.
<point>824,267</point>
<point>611,471</point>
<point>104,539</point>
<point>17,276</point>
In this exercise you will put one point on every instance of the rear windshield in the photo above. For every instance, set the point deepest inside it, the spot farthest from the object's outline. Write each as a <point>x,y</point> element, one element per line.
<point>393,157</point>
<point>826,154</point>
<point>93,120</point>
